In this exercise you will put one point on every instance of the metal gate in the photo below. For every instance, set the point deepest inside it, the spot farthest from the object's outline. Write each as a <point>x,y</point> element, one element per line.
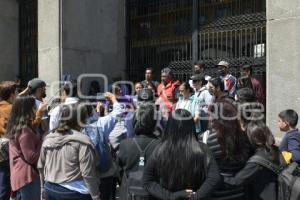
<point>28,40</point>
<point>175,33</point>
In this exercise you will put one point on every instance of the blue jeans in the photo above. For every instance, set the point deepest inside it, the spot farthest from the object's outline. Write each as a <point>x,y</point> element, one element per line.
<point>55,191</point>
<point>4,181</point>
<point>31,191</point>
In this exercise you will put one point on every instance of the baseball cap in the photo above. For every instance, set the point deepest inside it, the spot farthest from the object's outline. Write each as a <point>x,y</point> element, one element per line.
<point>36,83</point>
<point>145,95</point>
<point>197,77</point>
<point>223,63</point>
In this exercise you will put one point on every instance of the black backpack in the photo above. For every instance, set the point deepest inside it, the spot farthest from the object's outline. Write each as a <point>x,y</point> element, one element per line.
<point>288,178</point>
<point>132,185</point>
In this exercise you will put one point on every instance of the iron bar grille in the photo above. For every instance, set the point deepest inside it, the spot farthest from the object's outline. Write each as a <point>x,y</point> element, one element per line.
<point>28,39</point>
<point>160,35</point>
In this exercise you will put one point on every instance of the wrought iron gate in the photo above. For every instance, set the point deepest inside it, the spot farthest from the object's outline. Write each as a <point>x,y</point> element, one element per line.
<point>28,39</point>
<point>175,33</point>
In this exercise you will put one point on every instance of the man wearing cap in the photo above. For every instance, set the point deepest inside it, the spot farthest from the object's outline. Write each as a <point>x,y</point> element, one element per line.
<point>230,81</point>
<point>166,91</point>
<point>256,86</point>
<point>199,68</point>
<point>37,89</point>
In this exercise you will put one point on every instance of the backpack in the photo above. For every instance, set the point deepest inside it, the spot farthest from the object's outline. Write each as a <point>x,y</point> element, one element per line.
<point>288,178</point>
<point>4,143</point>
<point>133,183</point>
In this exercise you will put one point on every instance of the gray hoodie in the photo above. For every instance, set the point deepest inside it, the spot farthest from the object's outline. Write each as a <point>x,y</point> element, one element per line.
<point>69,157</point>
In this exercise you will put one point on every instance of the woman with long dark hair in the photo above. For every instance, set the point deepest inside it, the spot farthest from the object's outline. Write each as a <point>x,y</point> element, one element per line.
<point>24,149</point>
<point>261,179</point>
<point>229,146</point>
<point>181,167</point>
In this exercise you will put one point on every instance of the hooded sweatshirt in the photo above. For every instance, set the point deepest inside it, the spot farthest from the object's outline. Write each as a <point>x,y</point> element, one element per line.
<point>69,157</point>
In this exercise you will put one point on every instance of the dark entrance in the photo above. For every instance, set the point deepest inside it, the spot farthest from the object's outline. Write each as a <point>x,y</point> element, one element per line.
<point>168,33</point>
<point>28,39</point>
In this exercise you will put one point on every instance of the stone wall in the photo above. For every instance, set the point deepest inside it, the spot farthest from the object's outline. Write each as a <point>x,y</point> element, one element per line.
<point>283,59</point>
<point>94,37</point>
<point>9,39</point>
<point>77,37</point>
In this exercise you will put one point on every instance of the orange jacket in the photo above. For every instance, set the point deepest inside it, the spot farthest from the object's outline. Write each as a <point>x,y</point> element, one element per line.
<point>5,109</point>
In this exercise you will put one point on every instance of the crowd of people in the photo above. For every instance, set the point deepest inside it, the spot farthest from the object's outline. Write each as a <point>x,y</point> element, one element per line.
<point>191,140</point>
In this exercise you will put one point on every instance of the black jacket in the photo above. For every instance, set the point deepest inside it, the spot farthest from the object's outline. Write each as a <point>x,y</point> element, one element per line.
<point>128,156</point>
<point>227,168</point>
<point>153,184</point>
<point>260,180</point>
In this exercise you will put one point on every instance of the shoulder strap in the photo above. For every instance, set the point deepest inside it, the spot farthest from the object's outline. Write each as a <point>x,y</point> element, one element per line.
<point>142,152</point>
<point>199,93</point>
<point>265,163</point>
<point>142,159</point>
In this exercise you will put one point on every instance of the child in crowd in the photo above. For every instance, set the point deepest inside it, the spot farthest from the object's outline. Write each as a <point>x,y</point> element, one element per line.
<point>290,144</point>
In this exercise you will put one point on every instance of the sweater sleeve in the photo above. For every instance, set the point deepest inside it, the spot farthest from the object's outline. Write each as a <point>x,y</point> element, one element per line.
<point>151,184</point>
<point>87,163</point>
<point>30,146</point>
<point>293,147</point>
<point>38,118</point>
<point>245,175</point>
<point>212,179</point>
<point>107,123</point>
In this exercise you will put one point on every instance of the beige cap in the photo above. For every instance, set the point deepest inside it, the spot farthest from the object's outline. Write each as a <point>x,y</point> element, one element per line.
<point>223,63</point>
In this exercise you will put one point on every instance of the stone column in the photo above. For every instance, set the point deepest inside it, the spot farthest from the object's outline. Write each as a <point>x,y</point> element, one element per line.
<point>49,42</point>
<point>81,36</point>
<point>9,39</point>
<point>283,59</point>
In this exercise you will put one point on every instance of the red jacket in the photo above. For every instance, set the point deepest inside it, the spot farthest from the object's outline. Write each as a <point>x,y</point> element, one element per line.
<point>27,146</point>
<point>167,93</point>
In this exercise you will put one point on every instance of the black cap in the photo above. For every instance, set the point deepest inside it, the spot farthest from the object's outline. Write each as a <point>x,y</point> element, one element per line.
<point>146,95</point>
<point>36,83</point>
<point>197,77</point>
